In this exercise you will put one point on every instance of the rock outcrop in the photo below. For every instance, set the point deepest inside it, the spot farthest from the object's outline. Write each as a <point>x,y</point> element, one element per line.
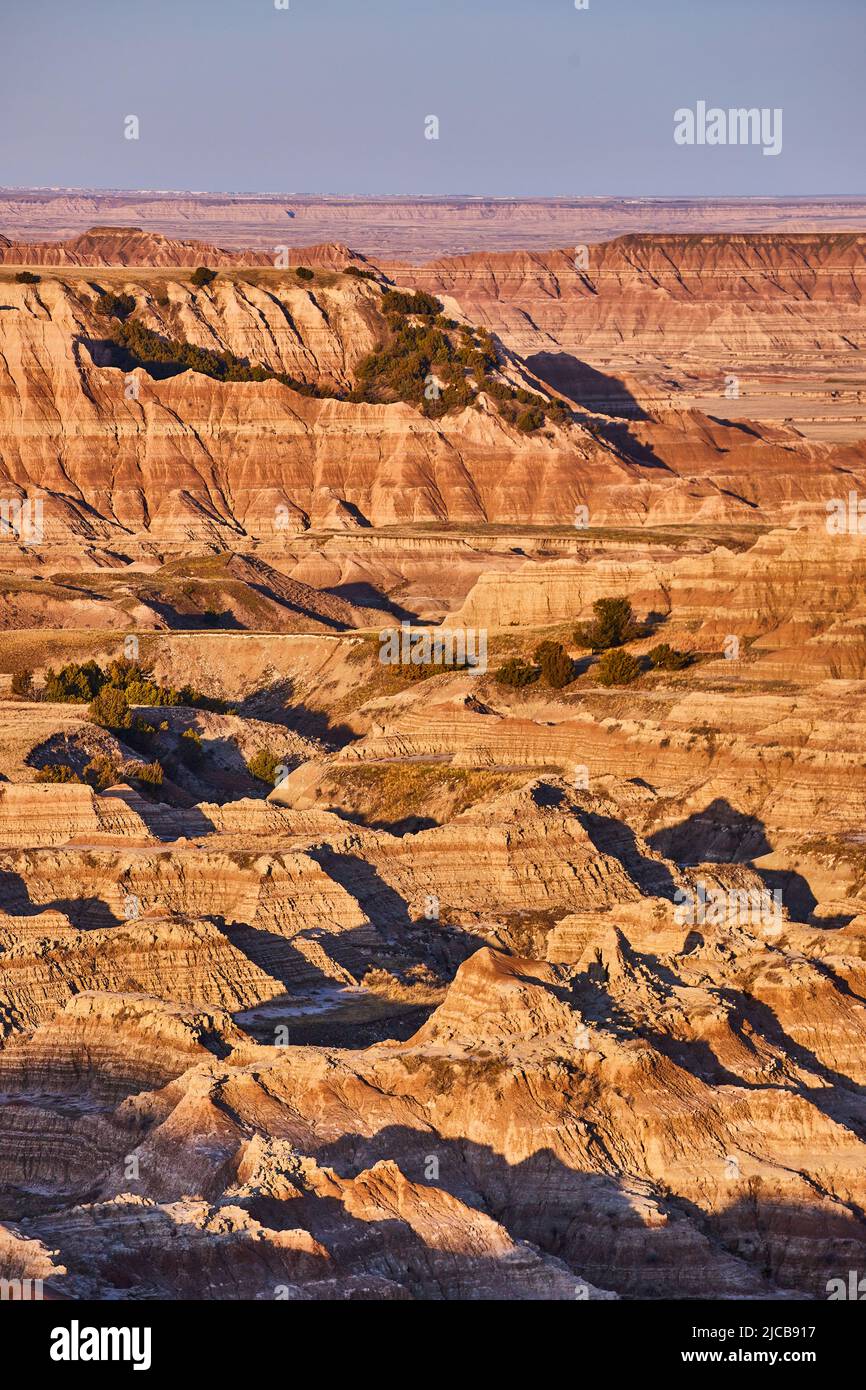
<point>188,458</point>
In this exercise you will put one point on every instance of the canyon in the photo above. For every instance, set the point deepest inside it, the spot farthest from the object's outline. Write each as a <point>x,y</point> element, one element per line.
<point>327,978</point>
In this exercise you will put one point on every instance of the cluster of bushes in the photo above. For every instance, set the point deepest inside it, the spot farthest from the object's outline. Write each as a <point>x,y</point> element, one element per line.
<point>82,683</point>
<point>102,772</point>
<point>202,275</point>
<point>550,661</point>
<point>410,302</point>
<point>524,409</point>
<point>423,670</point>
<point>440,365</point>
<point>74,684</point>
<point>141,689</point>
<point>418,363</point>
<point>141,347</point>
<point>613,625</point>
<point>619,667</point>
<point>114,306</point>
<point>57,772</point>
<point>110,696</point>
<point>303,272</point>
<point>26,277</point>
<point>360,274</point>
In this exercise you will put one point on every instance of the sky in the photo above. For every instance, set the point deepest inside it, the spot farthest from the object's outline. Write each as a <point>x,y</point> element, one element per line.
<point>533,97</point>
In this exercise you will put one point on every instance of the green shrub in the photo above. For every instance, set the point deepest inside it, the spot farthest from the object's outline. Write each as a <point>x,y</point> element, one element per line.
<point>617,667</point>
<point>122,672</point>
<point>263,765</point>
<point>141,347</point>
<point>530,420</point>
<point>557,667</point>
<point>26,277</point>
<point>144,692</point>
<point>666,658</point>
<point>516,672</point>
<point>420,670</point>
<point>57,772</point>
<point>110,709</point>
<point>74,684</point>
<point>190,748</point>
<point>102,772</point>
<point>202,275</point>
<point>114,306</point>
<point>614,624</point>
<point>149,773</point>
<point>304,273</point>
<point>22,685</point>
<point>360,274</point>
<point>423,670</point>
<point>405,302</point>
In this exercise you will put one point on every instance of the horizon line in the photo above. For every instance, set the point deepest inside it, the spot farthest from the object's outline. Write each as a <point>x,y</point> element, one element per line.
<point>104,190</point>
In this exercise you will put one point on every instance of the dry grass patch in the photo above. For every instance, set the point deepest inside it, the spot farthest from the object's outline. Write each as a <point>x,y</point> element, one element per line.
<point>398,794</point>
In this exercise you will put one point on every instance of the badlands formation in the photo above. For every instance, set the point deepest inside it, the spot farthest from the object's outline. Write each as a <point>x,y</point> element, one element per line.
<point>416,229</point>
<point>322,978</point>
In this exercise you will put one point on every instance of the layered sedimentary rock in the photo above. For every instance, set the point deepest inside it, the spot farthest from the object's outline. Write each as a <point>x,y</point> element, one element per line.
<point>742,1161</point>
<point>612,1097</point>
<point>702,298</point>
<point>189,458</point>
<point>763,762</point>
<point>118,245</point>
<point>417,228</point>
<point>419,984</point>
<point>788,583</point>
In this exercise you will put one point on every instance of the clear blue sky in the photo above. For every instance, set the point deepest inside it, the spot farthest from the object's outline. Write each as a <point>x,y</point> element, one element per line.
<point>533,96</point>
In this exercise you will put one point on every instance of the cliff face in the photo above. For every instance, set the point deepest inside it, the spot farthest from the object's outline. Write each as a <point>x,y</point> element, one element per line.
<point>133,246</point>
<point>702,300</point>
<point>191,458</point>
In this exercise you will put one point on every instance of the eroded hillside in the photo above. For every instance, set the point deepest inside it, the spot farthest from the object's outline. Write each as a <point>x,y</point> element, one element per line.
<point>296,412</point>
<point>330,972</point>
